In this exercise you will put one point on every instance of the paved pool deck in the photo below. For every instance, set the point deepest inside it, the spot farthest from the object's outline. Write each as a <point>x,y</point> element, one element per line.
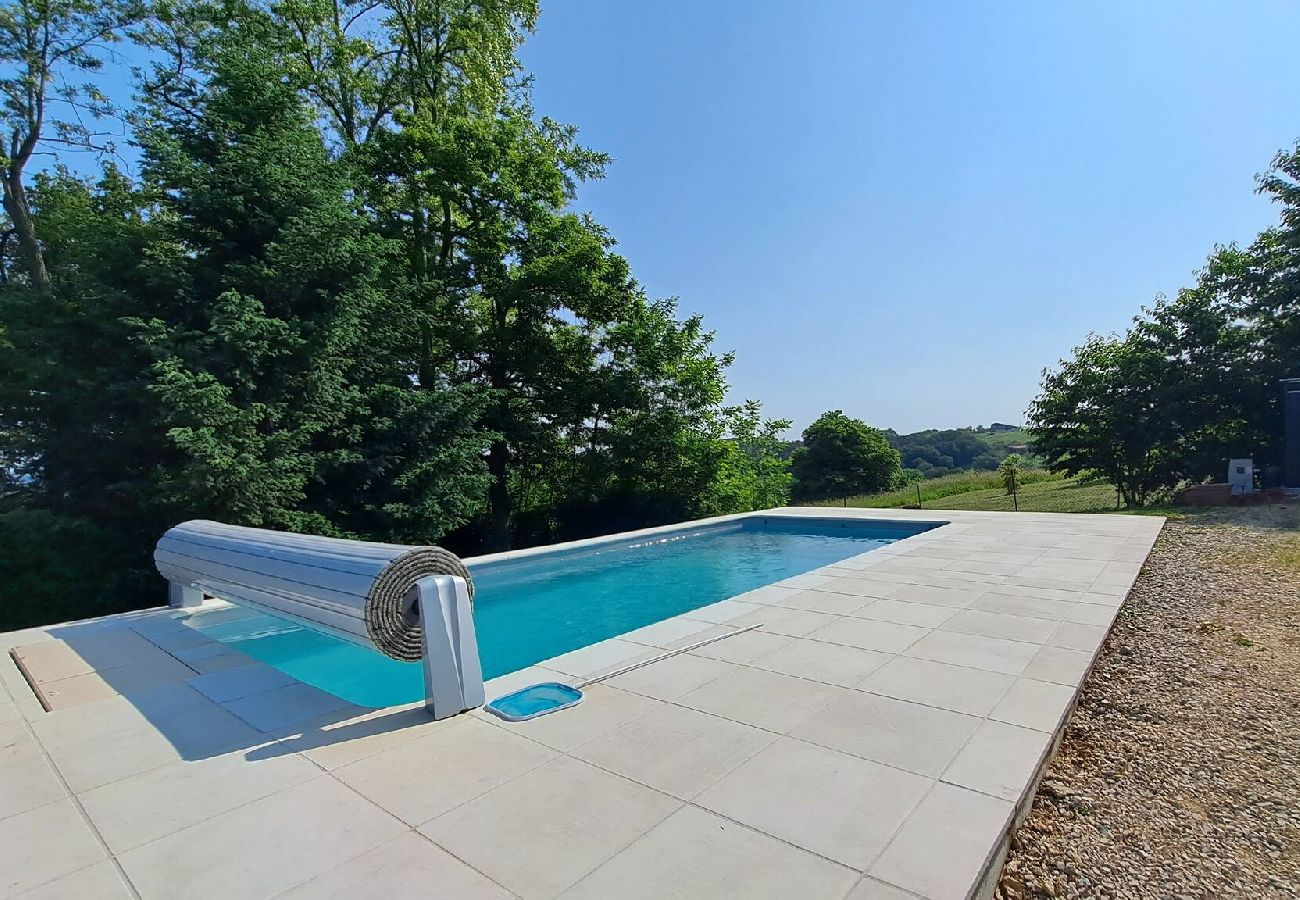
<point>876,737</point>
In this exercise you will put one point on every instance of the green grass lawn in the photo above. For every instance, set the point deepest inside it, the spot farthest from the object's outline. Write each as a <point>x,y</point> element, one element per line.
<point>1039,491</point>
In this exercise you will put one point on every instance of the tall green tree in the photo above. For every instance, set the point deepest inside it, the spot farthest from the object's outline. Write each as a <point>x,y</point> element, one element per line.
<point>46,48</point>
<point>842,456</point>
<point>1102,412</point>
<point>266,367</point>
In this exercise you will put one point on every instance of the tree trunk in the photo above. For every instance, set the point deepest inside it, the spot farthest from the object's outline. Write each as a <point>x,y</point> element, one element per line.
<point>498,536</point>
<point>15,203</point>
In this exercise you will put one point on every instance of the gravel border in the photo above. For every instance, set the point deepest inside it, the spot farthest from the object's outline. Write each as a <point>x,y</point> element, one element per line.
<point>1179,773</point>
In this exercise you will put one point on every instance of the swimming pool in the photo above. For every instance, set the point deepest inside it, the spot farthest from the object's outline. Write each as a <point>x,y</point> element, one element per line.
<point>532,608</point>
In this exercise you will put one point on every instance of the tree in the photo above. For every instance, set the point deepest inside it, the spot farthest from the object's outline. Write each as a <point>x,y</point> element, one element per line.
<point>1104,412</point>
<point>842,456</point>
<point>349,294</point>
<point>752,474</point>
<point>44,44</point>
<point>1010,470</point>
<point>265,367</point>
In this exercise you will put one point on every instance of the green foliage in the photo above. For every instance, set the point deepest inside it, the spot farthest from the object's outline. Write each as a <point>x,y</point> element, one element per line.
<point>46,48</point>
<point>1103,413</point>
<point>1010,469</point>
<point>842,456</point>
<point>1193,382</point>
<point>349,294</point>
<point>936,452</point>
<point>753,474</point>
<point>57,567</point>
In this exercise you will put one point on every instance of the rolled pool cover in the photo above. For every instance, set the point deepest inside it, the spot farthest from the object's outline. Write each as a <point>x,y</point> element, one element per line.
<point>360,591</point>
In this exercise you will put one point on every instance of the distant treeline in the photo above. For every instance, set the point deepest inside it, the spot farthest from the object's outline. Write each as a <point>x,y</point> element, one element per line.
<point>936,452</point>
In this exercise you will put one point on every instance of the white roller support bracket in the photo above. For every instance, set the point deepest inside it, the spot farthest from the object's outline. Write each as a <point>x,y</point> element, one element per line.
<point>409,603</point>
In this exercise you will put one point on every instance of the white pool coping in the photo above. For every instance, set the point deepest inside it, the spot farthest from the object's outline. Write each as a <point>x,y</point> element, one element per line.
<point>877,736</point>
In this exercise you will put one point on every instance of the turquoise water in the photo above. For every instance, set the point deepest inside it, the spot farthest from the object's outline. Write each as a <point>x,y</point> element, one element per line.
<point>529,610</point>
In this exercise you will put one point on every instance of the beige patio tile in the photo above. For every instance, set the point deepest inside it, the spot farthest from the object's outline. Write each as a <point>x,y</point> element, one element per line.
<point>139,809</point>
<point>821,661</point>
<point>264,847</point>
<point>764,699</point>
<point>100,881</point>
<point>902,612</point>
<point>942,849</point>
<point>959,689</point>
<point>743,648</point>
<point>1092,614</point>
<point>954,596</point>
<point>331,740</point>
<point>856,586</point>
<point>410,780</point>
<point>539,834</point>
<point>974,651</point>
<point>675,750</point>
<point>603,708</point>
<point>522,678</point>
<point>284,706</point>
<point>26,779</point>
<point>672,677</point>
<point>44,843</point>
<point>98,760</point>
<point>695,854</point>
<point>1078,636</point>
<point>767,595</point>
<point>600,657</point>
<point>982,566</point>
<point>1035,587</point>
<point>870,889</point>
<point>723,612</point>
<point>999,760</point>
<point>804,582</point>
<point>905,564</point>
<point>51,661</point>
<point>1000,625</point>
<point>784,620</point>
<point>408,866</point>
<point>69,692</point>
<point>1059,665</point>
<point>918,738</point>
<point>1034,704</point>
<point>159,706</point>
<point>1014,605</point>
<point>836,805</point>
<point>869,634</point>
<point>667,632</point>
<point>825,602</point>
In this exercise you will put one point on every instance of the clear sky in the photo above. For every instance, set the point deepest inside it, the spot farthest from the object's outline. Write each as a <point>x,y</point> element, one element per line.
<point>907,209</point>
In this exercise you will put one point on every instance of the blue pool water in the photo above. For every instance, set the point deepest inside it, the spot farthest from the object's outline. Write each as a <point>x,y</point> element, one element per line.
<point>529,610</point>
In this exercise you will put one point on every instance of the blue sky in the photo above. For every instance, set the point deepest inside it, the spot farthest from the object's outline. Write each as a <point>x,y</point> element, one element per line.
<point>907,210</point>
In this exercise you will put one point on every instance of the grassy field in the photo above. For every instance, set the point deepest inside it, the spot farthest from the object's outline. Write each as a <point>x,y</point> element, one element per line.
<point>1039,491</point>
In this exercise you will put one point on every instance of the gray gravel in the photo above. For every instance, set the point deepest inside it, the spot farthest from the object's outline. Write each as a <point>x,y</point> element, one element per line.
<point>1179,773</point>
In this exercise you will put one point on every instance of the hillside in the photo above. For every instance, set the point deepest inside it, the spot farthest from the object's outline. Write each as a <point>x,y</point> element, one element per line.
<point>1039,491</point>
<point>938,452</point>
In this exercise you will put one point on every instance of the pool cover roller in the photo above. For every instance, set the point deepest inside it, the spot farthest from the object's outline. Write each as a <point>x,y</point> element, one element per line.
<point>407,602</point>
